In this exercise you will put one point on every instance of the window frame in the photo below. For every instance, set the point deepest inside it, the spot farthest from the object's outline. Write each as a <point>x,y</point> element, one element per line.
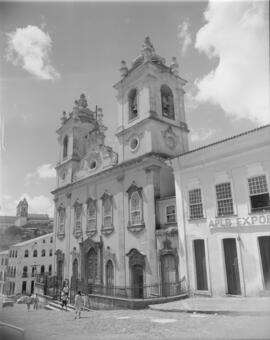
<point>107,198</point>
<point>171,214</point>
<point>26,252</point>
<point>131,190</point>
<point>131,115</point>
<point>163,89</point>
<point>262,210</point>
<point>89,226</point>
<point>61,221</point>
<point>233,213</point>
<point>65,147</point>
<point>196,204</point>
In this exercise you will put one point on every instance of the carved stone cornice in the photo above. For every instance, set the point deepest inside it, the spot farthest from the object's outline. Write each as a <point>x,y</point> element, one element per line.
<point>136,228</point>
<point>107,230</point>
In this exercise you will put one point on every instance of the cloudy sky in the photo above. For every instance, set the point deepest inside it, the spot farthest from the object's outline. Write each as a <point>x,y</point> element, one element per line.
<point>53,52</point>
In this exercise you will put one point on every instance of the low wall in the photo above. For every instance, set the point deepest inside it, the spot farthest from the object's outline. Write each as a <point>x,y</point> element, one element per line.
<point>96,301</point>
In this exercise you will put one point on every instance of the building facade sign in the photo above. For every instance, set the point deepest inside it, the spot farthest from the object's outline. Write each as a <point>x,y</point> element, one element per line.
<point>243,221</point>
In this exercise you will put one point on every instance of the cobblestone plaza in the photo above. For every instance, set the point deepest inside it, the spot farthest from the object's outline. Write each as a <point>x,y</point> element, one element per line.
<point>131,324</point>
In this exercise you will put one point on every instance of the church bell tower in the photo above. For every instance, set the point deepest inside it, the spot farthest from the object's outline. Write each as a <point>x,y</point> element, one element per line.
<point>151,112</point>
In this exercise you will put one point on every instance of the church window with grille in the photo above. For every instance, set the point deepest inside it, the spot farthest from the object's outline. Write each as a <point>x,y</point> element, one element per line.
<point>195,204</point>
<point>78,216</point>
<point>224,199</point>
<point>135,208</point>
<point>62,220</point>
<point>171,214</point>
<point>258,193</point>
<point>107,211</point>
<point>167,105</point>
<point>133,104</point>
<point>65,147</point>
<point>91,214</point>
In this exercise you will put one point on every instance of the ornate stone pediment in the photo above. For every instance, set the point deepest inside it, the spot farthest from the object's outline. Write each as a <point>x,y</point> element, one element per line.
<point>170,137</point>
<point>89,243</point>
<point>109,255</point>
<point>59,255</point>
<point>136,257</point>
<point>75,254</point>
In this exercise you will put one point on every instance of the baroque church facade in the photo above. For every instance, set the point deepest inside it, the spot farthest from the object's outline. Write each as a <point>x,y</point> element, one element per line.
<point>115,215</point>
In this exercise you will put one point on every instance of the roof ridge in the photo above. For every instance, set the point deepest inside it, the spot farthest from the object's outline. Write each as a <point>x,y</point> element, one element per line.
<point>225,139</point>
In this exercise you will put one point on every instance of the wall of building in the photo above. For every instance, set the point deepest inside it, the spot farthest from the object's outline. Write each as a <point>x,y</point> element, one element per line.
<point>18,260</point>
<point>233,161</point>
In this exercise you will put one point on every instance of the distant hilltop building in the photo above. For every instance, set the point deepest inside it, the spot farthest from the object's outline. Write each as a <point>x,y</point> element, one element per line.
<point>23,226</point>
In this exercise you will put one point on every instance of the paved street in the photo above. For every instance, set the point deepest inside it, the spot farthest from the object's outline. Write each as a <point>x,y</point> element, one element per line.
<point>130,324</point>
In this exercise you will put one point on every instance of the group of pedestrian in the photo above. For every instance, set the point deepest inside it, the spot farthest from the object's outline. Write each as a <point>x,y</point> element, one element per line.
<point>31,299</point>
<point>78,303</point>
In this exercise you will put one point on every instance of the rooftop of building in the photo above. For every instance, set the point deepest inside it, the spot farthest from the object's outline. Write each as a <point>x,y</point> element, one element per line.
<point>226,139</point>
<point>33,240</point>
<point>4,252</point>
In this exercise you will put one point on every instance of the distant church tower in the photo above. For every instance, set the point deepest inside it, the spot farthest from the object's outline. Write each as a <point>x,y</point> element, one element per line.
<point>151,113</point>
<point>22,208</point>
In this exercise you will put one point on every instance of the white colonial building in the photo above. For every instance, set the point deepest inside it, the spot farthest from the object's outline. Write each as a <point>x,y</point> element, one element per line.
<point>109,230</point>
<point>223,208</point>
<point>3,271</point>
<point>26,259</point>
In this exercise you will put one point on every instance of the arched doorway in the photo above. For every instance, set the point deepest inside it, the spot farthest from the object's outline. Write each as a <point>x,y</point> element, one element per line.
<point>168,274</point>
<point>137,281</point>
<point>109,277</point>
<point>137,265</point>
<point>91,266</point>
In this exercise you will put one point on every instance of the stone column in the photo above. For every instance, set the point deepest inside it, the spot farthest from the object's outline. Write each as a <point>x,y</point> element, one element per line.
<point>121,230</point>
<point>152,191</point>
<point>69,231</point>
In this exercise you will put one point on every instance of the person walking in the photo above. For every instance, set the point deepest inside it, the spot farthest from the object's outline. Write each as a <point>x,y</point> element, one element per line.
<point>78,304</point>
<point>64,298</point>
<point>28,302</point>
<point>36,302</point>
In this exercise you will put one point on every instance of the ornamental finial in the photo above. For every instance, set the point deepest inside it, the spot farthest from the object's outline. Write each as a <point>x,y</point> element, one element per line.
<point>123,69</point>
<point>64,117</point>
<point>174,66</point>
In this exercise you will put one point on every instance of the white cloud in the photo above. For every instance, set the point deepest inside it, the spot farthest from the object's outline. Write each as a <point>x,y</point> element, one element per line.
<point>201,135</point>
<point>30,48</point>
<point>45,171</point>
<point>184,36</point>
<point>237,34</point>
<point>37,204</point>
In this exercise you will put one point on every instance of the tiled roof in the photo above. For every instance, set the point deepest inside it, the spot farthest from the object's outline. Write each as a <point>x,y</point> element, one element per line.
<point>226,139</point>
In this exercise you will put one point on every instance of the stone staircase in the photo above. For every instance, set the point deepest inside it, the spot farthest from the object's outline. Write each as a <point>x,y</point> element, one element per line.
<point>56,305</point>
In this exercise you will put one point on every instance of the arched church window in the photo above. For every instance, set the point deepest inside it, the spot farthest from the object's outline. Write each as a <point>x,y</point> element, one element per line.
<point>135,205</point>
<point>77,216</point>
<point>91,214</point>
<point>65,147</point>
<point>50,252</point>
<point>61,220</point>
<point>26,253</point>
<point>167,105</point>
<point>43,252</point>
<point>35,253</point>
<point>133,104</point>
<point>135,208</point>
<point>107,211</point>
